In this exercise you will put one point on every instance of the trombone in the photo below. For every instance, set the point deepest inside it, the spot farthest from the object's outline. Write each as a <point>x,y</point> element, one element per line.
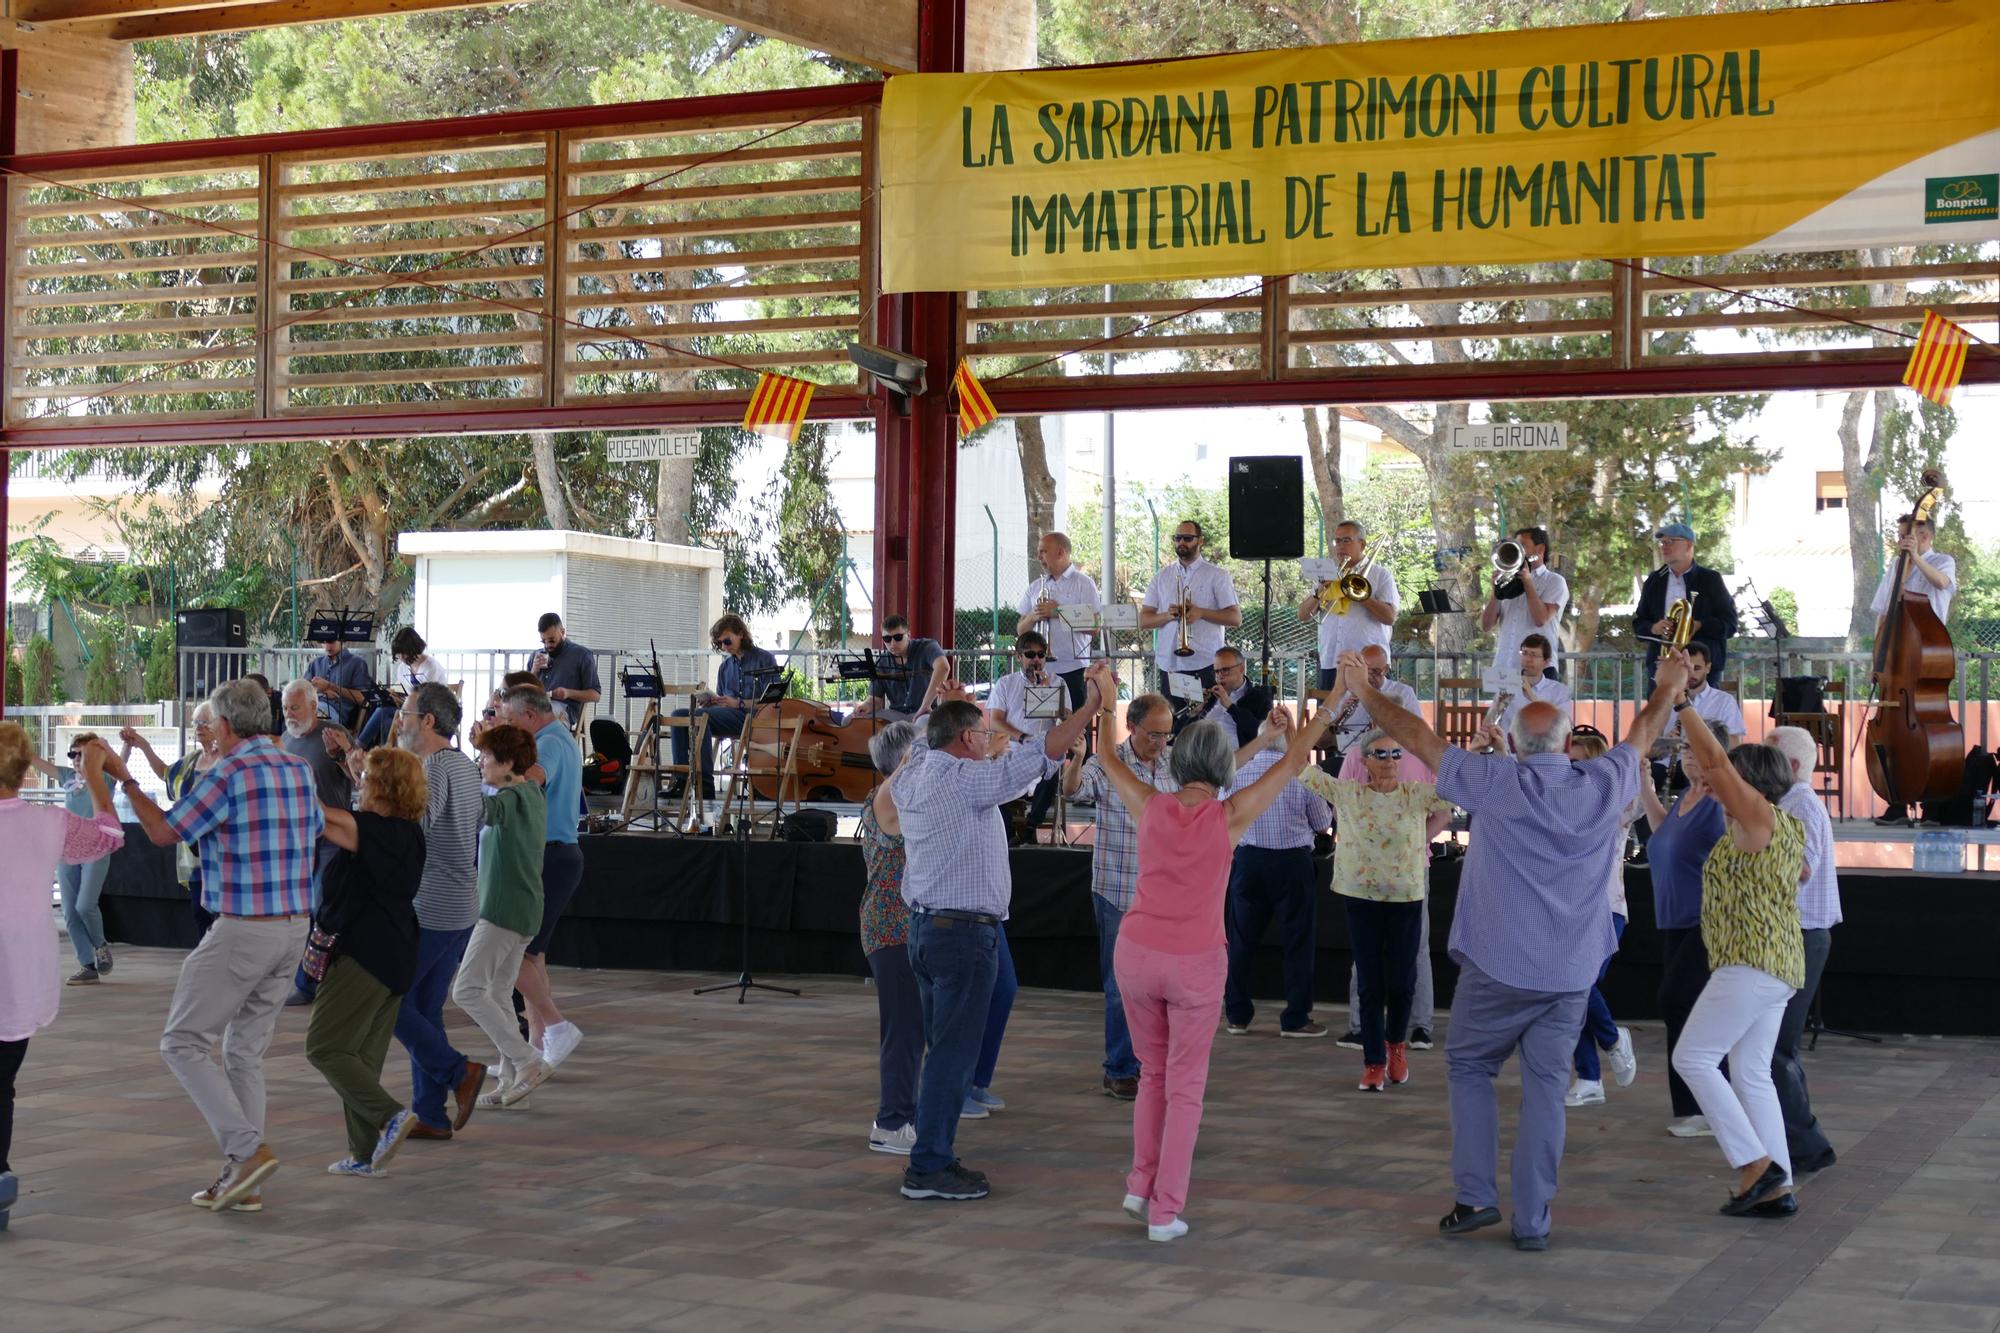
<point>1338,595</point>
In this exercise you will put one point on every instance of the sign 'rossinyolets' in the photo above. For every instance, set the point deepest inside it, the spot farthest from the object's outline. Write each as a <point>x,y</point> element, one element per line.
<point>653,448</point>
<point>1832,127</point>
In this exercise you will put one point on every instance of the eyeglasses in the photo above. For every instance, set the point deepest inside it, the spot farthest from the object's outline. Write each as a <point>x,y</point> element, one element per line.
<point>1385,754</point>
<point>892,638</point>
<point>76,754</point>
<point>1033,656</point>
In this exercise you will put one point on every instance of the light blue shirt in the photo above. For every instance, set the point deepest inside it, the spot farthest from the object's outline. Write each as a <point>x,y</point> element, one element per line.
<point>1531,907</point>
<point>562,763</point>
<point>954,837</point>
<point>1292,819</point>
<point>1819,886</point>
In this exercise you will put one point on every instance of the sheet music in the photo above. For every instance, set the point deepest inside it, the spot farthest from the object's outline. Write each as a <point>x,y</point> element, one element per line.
<point>1118,615</point>
<point>1078,617</point>
<point>1185,686</point>
<point>1043,701</point>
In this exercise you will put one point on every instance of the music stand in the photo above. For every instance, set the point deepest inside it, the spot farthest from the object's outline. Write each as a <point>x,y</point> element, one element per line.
<point>1436,601</point>
<point>1766,620</point>
<point>745,982</point>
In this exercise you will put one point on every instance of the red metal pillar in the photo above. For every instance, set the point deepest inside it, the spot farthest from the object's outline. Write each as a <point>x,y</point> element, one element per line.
<point>10,86</point>
<point>916,463</point>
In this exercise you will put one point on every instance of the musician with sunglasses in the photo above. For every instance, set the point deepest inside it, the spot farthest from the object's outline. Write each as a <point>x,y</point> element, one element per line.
<point>909,678</point>
<point>1007,706</point>
<point>1188,588</point>
<point>745,673</point>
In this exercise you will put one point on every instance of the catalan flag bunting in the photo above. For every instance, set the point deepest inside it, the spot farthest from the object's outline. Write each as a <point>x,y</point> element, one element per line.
<point>975,409</point>
<point>1937,362</point>
<point>778,406</point>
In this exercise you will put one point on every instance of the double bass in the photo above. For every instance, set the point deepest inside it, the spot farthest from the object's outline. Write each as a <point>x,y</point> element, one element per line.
<point>830,759</point>
<point>1916,749</point>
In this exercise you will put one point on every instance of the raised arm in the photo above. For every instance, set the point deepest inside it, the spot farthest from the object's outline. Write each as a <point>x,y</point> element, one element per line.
<point>1404,727</point>
<point>134,740</point>
<point>1669,682</point>
<point>1246,805</point>
<point>1752,816</point>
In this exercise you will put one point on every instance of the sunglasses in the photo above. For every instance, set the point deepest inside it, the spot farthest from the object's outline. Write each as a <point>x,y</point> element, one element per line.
<point>1034,656</point>
<point>1385,754</point>
<point>1179,538</point>
<point>892,638</point>
<point>76,754</point>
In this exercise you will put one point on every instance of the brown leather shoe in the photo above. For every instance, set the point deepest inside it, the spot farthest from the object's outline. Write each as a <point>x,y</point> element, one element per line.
<point>1122,1089</point>
<point>423,1131</point>
<point>466,1094</point>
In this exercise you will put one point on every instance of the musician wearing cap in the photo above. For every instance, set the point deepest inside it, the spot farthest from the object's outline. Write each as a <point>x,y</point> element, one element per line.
<point>1348,625</point>
<point>1062,584</point>
<point>1527,598</point>
<point>1678,577</point>
<point>1188,605</point>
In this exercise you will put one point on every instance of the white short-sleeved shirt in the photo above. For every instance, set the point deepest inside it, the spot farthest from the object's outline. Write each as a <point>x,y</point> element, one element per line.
<point>1547,692</point>
<point>1712,705</point>
<point>1008,700</point>
<point>1068,650</point>
<point>1515,624</point>
<point>1357,629</point>
<point>1359,724</point>
<point>1208,587</point>
<point>1940,598</point>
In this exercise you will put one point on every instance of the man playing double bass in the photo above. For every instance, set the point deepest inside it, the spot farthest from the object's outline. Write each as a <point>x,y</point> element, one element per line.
<point>1932,578</point>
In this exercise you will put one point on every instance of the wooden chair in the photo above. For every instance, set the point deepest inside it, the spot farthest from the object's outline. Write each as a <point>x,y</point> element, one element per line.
<point>647,761</point>
<point>1830,771</point>
<point>1459,709</point>
<point>764,750</point>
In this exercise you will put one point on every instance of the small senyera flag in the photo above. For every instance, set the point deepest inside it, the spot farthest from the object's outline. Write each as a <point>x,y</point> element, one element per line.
<point>778,405</point>
<point>975,409</point>
<point>1938,360</point>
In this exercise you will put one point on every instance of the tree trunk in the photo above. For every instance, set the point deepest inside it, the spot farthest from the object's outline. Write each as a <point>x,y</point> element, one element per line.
<point>1862,471</point>
<point>547,480</point>
<point>673,501</point>
<point>1038,484</point>
<point>1323,448</point>
<point>1452,526</point>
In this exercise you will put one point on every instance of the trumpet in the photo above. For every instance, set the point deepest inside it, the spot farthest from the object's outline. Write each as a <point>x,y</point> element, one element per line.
<point>1336,596</point>
<point>1510,562</point>
<point>1182,648</point>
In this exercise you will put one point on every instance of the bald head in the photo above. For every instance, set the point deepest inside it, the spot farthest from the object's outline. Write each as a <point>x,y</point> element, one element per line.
<point>1540,728</point>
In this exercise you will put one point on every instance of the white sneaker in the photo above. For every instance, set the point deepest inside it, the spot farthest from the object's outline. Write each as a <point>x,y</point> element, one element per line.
<point>559,1042</point>
<point>1624,1063</point>
<point>1135,1207</point>
<point>1585,1092</point>
<point>1173,1230</point>
<point>897,1142</point>
<point>1690,1127</point>
<point>533,1074</point>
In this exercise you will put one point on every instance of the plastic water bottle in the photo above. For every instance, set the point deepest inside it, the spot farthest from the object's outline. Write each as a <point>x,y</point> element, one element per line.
<point>1939,852</point>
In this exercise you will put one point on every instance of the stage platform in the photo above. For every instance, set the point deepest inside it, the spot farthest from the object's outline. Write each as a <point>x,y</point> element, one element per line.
<point>1915,953</point>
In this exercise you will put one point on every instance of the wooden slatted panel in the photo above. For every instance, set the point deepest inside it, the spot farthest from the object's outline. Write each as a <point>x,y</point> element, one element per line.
<point>1126,330</point>
<point>413,278</point>
<point>135,297</point>
<point>730,237</point>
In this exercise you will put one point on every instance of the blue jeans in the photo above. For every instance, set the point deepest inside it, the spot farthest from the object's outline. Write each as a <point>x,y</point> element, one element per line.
<point>1384,939</point>
<point>997,1013</point>
<point>81,887</point>
<point>1119,1059</point>
<point>721,722</point>
<point>954,962</point>
<point>1600,1030</point>
<point>1263,881</point>
<point>377,729</point>
<point>436,1067</point>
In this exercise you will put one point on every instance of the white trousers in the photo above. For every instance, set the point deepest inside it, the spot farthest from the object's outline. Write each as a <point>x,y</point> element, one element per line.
<point>1737,1016</point>
<point>485,983</point>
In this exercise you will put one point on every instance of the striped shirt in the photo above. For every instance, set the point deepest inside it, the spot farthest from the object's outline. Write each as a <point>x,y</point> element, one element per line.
<point>448,897</point>
<point>254,817</point>
<point>1114,856</point>
<point>954,838</point>
<point>1531,911</point>
<point>1291,819</point>
<point>1819,885</point>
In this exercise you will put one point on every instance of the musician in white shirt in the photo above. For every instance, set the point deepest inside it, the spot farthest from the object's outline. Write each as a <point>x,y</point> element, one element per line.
<point>1191,585</point>
<point>1537,608</point>
<point>1355,625</point>
<point>1535,685</point>
<point>1351,724</point>
<point>1932,577</point>
<point>1007,711</point>
<point>1062,584</point>
<point>1709,703</point>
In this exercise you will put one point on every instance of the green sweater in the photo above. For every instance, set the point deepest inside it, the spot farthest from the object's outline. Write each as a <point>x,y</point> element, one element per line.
<point>510,858</point>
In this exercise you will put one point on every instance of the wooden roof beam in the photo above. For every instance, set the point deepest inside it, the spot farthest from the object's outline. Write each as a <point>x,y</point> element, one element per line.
<point>104,11</point>
<point>238,15</point>
<point>999,34</point>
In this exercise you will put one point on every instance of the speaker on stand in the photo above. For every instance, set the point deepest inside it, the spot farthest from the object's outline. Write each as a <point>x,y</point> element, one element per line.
<point>1267,497</point>
<point>213,627</point>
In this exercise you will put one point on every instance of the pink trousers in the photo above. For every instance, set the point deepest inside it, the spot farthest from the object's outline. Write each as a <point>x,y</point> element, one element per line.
<point>1172,1004</point>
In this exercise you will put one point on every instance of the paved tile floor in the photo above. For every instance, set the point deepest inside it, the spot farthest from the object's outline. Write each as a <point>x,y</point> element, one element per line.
<point>700,1165</point>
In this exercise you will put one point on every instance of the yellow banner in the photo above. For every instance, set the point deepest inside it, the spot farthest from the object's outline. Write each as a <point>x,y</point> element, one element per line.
<point>1800,129</point>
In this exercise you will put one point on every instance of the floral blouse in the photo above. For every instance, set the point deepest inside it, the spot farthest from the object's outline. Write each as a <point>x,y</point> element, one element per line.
<point>885,918</point>
<point>1381,848</point>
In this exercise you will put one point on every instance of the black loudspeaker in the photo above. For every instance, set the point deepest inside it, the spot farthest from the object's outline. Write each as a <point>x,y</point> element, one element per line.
<point>1267,498</point>
<point>210,627</point>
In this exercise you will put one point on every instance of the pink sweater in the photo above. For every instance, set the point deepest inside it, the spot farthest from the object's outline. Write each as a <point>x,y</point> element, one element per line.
<point>36,837</point>
<point>1184,856</point>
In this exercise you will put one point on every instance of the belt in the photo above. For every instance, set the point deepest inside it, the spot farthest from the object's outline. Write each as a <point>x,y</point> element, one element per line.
<point>950,914</point>
<point>279,916</point>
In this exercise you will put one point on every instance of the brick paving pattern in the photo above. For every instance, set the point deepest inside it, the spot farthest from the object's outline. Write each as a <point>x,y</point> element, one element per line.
<point>701,1165</point>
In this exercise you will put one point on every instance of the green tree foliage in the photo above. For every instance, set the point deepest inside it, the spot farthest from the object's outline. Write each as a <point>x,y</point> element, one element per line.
<point>38,672</point>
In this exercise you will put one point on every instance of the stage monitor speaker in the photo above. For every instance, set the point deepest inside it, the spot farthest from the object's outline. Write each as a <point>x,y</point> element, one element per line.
<point>1267,497</point>
<point>210,627</point>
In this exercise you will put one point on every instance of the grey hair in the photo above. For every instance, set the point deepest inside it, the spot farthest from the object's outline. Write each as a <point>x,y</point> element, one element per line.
<point>531,698</point>
<point>1375,735</point>
<point>1204,753</point>
<point>293,687</point>
<point>1143,707</point>
<point>950,720</point>
<point>1360,528</point>
<point>440,704</point>
<point>1798,747</point>
<point>1764,768</point>
<point>1553,739</point>
<point>1061,539</point>
<point>244,705</point>
<point>887,746</point>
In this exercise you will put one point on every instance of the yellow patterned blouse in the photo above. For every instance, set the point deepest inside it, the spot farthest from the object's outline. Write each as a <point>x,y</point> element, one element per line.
<point>1380,843</point>
<point>1750,904</point>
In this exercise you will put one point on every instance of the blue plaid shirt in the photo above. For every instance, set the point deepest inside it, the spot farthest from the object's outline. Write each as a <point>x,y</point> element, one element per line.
<point>1292,819</point>
<point>1545,834</point>
<point>953,835</point>
<point>255,817</point>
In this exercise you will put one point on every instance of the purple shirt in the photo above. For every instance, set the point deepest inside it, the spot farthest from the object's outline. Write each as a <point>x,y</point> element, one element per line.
<point>1531,907</point>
